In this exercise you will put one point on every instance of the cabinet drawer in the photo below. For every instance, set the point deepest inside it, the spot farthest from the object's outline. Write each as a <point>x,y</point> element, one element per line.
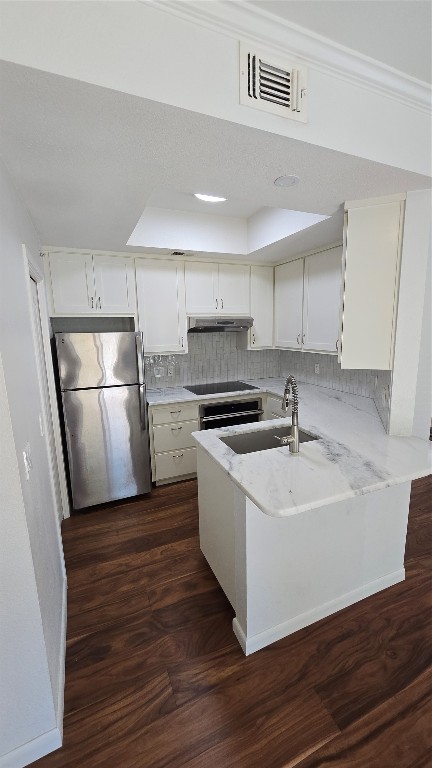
<point>168,413</point>
<point>175,463</point>
<point>169,437</point>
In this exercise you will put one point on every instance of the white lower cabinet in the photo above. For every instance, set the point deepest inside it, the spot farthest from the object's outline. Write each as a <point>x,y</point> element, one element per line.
<point>173,452</point>
<point>174,465</point>
<point>161,305</point>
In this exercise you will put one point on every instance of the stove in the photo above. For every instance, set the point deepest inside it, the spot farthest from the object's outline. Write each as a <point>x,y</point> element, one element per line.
<point>219,388</point>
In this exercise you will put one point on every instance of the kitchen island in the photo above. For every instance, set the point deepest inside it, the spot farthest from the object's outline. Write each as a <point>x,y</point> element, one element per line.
<point>294,538</point>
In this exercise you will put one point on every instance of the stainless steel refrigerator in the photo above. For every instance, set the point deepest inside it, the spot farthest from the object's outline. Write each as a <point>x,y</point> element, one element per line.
<point>105,415</point>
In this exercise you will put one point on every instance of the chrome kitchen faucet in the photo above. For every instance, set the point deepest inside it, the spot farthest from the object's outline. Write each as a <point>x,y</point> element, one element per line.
<point>293,439</point>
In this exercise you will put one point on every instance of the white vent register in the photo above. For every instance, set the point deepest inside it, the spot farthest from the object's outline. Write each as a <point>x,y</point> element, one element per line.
<point>272,85</point>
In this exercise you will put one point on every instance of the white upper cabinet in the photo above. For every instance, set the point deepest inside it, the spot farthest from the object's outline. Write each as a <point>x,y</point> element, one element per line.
<point>307,302</point>
<point>321,300</point>
<point>161,305</point>
<point>373,236</point>
<point>83,284</point>
<point>221,289</point>
<point>261,307</point>
<point>234,289</point>
<point>114,284</point>
<point>288,306</point>
<point>72,283</point>
<point>201,288</point>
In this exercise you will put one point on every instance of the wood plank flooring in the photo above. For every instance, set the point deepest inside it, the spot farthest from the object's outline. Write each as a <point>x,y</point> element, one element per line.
<point>155,677</point>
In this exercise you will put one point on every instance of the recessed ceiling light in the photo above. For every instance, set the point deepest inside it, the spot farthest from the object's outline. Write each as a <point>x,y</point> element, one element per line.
<point>210,198</point>
<point>286,181</point>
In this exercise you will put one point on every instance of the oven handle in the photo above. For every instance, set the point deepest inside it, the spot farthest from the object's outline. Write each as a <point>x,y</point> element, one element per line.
<point>231,415</point>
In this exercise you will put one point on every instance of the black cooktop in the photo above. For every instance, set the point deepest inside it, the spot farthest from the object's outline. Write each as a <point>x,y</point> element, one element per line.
<point>219,388</point>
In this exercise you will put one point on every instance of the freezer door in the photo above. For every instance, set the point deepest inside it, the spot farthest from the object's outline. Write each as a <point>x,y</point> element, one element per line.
<point>99,359</point>
<point>108,444</point>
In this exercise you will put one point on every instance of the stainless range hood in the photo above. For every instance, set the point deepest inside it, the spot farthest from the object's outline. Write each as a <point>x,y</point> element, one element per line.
<point>219,324</point>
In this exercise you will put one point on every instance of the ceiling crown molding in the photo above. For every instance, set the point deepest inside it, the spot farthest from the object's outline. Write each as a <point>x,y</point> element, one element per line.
<point>241,21</point>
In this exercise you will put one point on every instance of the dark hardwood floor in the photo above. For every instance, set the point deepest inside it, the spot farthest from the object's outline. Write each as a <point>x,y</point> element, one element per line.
<point>155,677</point>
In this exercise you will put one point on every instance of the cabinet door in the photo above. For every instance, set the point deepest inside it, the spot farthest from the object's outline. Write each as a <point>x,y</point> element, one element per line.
<point>289,304</point>
<point>114,284</point>
<point>234,282</point>
<point>201,288</point>
<point>161,305</point>
<point>321,300</point>
<point>261,309</point>
<point>372,258</point>
<point>72,283</point>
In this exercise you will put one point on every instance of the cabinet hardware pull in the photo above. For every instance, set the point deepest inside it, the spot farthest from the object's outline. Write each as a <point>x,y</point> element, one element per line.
<point>216,303</point>
<point>298,339</point>
<point>92,302</point>
<point>177,456</point>
<point>303,337</point>
<point>176,429</point>
<point>222,303</point>
<point>182,343</point>
<point>172,412</point>
<point>100,303</point>
<point>337,345</point>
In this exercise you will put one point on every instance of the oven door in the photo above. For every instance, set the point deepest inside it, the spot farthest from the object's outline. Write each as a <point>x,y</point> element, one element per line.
<point>229,414</point>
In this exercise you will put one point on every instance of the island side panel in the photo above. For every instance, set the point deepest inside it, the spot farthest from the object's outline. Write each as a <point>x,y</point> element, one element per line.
<point>304,567</point>
<point>216,500</point>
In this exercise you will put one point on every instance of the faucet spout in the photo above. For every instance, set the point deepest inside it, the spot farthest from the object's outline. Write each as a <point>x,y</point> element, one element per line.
<point>291,388</point>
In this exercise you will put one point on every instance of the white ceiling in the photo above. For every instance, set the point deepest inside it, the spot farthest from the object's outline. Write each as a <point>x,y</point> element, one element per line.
<point>395,32</point>
<point>90,160</point>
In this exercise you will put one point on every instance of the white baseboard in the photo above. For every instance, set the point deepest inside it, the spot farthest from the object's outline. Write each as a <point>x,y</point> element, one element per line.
<point>271,635</point>
<point>33,750</point>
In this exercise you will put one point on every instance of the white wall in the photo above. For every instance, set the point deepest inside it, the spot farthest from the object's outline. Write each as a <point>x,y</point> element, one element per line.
<point>272,224</point>
<point>36,497</point>
<point>189,231</point>
<point>143,50</point>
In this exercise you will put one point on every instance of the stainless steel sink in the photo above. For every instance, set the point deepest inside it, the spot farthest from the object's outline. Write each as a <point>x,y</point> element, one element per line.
<point>263,440</point>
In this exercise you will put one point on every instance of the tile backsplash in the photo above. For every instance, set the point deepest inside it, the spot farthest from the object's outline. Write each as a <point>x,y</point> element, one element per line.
<point>215,357</point>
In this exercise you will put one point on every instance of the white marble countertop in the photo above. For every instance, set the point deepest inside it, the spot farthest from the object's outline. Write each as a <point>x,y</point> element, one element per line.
<point>352,456</point>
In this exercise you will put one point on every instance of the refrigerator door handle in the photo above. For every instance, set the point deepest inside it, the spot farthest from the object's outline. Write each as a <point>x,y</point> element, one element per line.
<point>140,357</point>
<point>143,407</point>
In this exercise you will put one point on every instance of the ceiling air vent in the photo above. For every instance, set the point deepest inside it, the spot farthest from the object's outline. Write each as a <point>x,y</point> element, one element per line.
<point>271,85</point>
